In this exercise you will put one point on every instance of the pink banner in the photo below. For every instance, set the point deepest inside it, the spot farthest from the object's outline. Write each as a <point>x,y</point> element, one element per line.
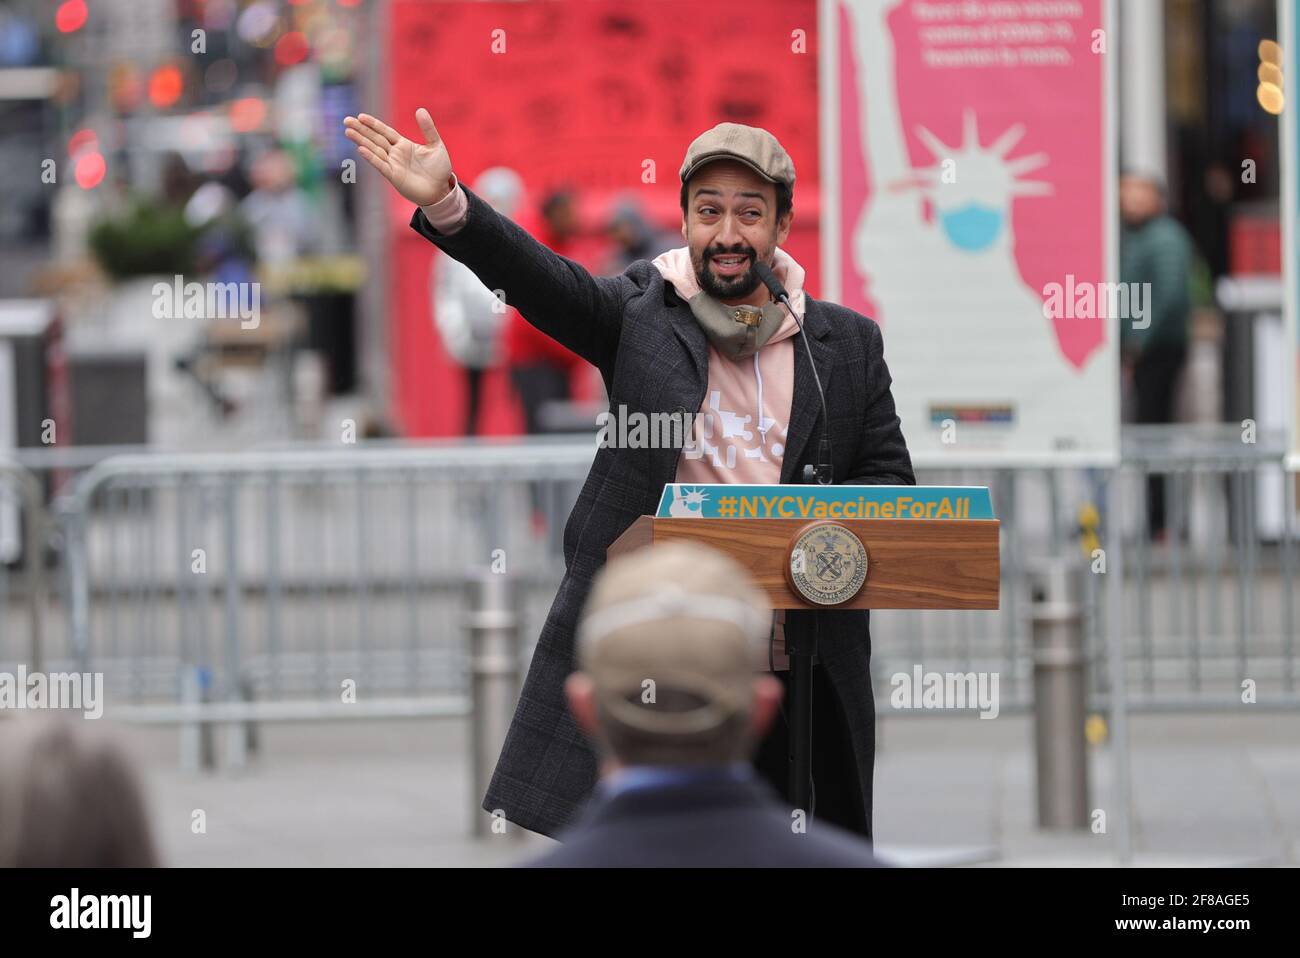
<point>973,206</point>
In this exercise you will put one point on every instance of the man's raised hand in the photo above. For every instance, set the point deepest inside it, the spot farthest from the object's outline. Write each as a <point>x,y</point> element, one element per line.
<point>420,172</point>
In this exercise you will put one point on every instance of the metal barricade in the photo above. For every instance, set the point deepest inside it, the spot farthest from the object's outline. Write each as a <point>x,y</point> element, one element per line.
<point>270,578</point>
<point>1206,614</point>
<point>23,598</point>
<point>327,576</point>
<point>1209,601</point>
<point>313,583</point>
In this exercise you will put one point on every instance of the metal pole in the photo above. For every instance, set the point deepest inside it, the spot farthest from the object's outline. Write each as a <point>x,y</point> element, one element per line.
<point>197,745</point>
<point>1142,65</point>
<point>236,737</point>
<point>1121,813</point>
<point>190,733</point>
<point>273,578</point>
<point>30,490</point>
<point>1059,689</point>
<point>78,583</point>
<point>493,632</point>
<point>1288,582</point>
<point>252,735</point>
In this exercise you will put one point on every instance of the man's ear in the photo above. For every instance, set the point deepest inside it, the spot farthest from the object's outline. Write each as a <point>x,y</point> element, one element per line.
<point>767,701</point>
<point>578,690</point>
<point>783,227</point>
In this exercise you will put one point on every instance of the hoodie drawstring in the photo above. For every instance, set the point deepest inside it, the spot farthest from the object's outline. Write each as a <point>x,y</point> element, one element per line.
<point>758,376</point>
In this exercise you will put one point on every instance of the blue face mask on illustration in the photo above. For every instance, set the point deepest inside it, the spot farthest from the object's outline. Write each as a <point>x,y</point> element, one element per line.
<point>972,227</point>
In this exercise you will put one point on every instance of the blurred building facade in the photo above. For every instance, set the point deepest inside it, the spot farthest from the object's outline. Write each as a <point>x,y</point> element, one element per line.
<point>156,98</point>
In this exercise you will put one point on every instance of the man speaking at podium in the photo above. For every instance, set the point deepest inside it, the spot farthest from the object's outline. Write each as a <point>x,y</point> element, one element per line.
<point>695,331</point>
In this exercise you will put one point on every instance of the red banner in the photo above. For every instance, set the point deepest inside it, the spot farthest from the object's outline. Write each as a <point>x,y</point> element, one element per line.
<point>596,96</point>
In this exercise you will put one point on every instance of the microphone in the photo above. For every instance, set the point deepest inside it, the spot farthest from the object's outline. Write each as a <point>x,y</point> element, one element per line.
<point>820,474</point>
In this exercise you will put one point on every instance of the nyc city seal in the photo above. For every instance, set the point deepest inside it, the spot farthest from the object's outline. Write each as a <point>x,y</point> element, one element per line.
<point>828,563</point>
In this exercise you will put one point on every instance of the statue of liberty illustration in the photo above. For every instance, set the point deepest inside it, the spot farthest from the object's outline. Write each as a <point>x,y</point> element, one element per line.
<point>687,503</point>
<point>952,304</point>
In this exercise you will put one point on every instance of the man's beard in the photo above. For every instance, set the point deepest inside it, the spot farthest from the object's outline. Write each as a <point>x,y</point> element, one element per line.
<point>725,287</point>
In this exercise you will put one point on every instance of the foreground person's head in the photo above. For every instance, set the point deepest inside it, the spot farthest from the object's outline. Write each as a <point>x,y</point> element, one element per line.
<point>668,656</point>
<point>69,798</point>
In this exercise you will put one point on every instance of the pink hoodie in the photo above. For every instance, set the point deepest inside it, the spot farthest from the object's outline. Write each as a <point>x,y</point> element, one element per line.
<point>740,433</point>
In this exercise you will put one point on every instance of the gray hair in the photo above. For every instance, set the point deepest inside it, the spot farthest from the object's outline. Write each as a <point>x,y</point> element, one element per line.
<point>69,798</point>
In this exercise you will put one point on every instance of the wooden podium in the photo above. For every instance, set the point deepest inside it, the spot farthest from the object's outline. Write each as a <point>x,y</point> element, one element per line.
<point>911,564</point>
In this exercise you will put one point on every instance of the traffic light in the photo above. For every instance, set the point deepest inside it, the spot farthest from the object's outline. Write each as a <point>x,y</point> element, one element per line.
<point>70,16</point>
<point>1269,92</point>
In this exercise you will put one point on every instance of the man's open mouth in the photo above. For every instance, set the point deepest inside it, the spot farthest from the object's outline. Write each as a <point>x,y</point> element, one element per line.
<point>730,264</point>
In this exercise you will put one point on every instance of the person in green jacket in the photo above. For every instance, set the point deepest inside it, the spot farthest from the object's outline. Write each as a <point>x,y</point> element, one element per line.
<point>1156,254</point>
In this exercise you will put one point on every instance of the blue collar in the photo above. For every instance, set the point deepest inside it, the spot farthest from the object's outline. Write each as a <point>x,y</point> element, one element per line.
<point>638,777</point>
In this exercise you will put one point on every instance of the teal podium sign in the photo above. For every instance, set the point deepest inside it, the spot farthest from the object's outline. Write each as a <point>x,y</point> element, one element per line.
<point>725,501</point>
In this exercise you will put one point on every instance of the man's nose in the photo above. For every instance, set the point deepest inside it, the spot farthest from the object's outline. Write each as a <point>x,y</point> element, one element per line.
<point>729,232</point>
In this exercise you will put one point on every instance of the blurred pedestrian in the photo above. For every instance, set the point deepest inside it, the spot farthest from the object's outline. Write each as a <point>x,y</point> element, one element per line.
<point>540,368</point>
<point>224,248</point>
<point>69,798</point>
<point>178,181</point>
<point>671,691</point>
<point>634,237</point>
<point>1154,249</point>
<point>469,316</point>
<point>278,211</point>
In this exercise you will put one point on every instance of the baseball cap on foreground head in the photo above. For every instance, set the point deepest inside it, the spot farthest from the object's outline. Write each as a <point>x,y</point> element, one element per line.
<point>670,642</point>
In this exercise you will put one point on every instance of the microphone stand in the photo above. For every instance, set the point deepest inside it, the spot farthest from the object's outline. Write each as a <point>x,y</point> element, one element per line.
<point>801,624</point>
<point>819,474</point>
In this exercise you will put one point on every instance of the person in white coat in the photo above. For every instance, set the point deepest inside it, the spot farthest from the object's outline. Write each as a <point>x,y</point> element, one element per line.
<point>469,316</point>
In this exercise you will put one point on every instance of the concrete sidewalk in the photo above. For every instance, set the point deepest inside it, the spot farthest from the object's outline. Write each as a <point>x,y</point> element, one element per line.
<point>1208,790</point>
